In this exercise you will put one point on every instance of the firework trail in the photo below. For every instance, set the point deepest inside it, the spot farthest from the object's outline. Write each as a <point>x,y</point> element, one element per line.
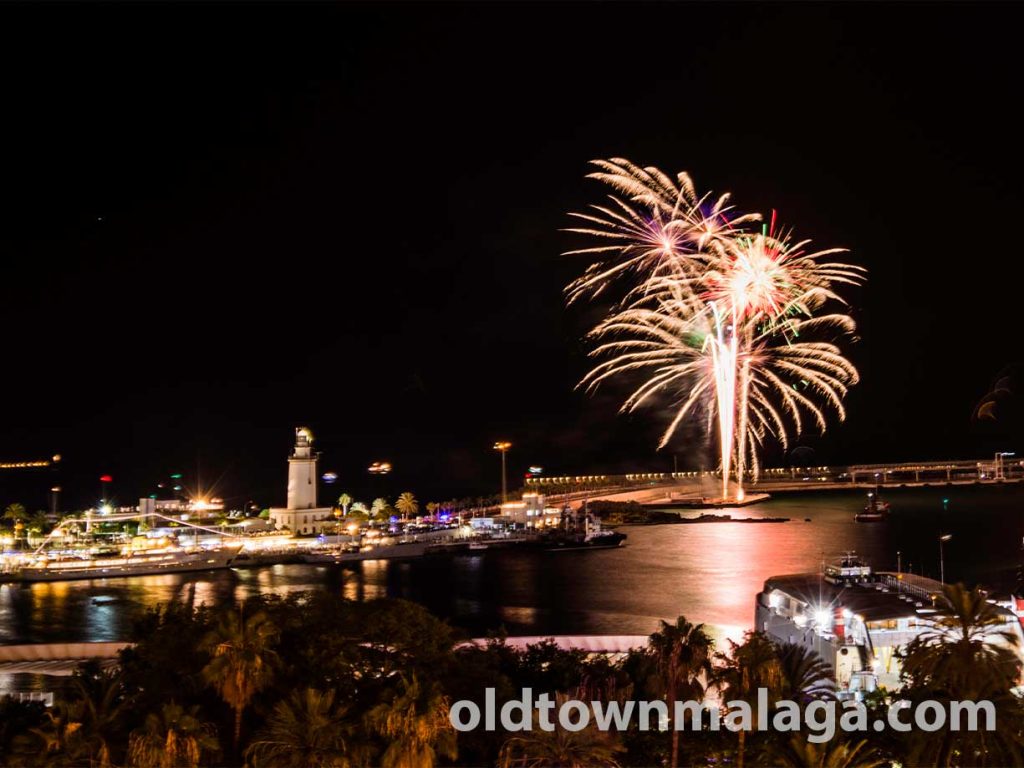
<point>724,320</point>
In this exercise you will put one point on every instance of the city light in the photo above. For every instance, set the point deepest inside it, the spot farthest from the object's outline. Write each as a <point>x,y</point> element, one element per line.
<point>28,464</point>
<point>379,468</point>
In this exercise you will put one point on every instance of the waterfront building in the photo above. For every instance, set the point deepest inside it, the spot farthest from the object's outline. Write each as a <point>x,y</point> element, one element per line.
<point>531,512</point>
<point>854,618</point>
<point>183,508</point>
<point>302,515</point>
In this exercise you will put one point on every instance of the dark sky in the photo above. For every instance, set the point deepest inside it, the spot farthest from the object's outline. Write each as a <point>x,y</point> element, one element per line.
<point>220,222</point>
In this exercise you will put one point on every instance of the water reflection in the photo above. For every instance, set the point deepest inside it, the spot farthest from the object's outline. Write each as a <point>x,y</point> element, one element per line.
<point>709,572</point>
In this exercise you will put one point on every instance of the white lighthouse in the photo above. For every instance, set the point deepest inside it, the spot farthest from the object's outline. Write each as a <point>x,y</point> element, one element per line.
<point>302,515</point>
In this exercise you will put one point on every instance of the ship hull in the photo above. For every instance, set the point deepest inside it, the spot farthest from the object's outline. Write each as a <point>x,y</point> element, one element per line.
<point>212,562</point>
<point>574,544</point>
<point>869,517</point>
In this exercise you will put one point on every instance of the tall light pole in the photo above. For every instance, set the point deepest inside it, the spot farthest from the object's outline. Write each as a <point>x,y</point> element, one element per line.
<point>942,562</point>
<point>899,571</point>
<point>502,447</point>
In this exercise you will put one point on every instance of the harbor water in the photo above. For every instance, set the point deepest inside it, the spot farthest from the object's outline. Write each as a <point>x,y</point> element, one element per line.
<point>709,572</point>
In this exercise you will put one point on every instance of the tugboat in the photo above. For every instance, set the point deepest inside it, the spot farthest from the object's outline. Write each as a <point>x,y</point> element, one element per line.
<point>580,531</point>
<point>875,510</point>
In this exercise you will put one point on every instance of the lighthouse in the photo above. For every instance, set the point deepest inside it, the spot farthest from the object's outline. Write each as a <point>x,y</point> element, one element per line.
<point>302,515</point>
<point>302,472</point>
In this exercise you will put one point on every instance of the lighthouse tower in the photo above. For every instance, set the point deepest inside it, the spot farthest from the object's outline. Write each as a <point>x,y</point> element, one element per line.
<point>302,515</point>
<point>302,472</point>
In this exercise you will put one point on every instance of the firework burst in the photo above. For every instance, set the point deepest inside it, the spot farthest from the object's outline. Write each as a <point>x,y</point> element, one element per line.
<point>725,321</point>
<point>653,226</point>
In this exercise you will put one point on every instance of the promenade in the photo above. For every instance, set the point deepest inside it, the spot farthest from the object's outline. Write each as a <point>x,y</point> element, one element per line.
<point>646,487</point>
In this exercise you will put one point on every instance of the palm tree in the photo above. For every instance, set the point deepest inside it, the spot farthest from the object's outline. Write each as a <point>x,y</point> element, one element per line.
<point>307,730</point>
<point>407,505</point>
<point>358,511</point>
<point>416,727</point>
<point>432,507</point>
<point>60,735</point>
<point>38,522</point>
<point>967,637</point>
<point>803,674</point>
<point>683,652</point>
<point>15,512</point>
<point>344,501</point>
<point>97,700</point>
<point>377,509</point>
<point>173,738</point>
<point>537,748</point>
<point>800,753</point>
<point>242,660</point>
<point>968,653</point>
<point>750,665</point>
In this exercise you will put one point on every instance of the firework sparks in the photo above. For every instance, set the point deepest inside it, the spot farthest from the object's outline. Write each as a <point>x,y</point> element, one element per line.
<point>722,319</point>
<point>654,226</point>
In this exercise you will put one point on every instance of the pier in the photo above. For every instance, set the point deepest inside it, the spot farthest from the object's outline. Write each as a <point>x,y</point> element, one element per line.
<point>647,487</point>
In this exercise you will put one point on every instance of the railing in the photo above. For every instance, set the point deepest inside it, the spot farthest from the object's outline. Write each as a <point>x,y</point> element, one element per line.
<point>998,469</point>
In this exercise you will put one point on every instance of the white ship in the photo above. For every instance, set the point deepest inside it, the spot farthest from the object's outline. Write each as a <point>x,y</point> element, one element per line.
<point>855,618</point>
<point>137,564</point>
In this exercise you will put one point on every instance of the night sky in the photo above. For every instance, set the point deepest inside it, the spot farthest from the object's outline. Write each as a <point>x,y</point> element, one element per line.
<point>221,222</point>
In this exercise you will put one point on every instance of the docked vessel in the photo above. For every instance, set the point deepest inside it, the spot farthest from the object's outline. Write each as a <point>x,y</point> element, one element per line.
<point>580,530</point>
<point>874,511</point>
<point>857,619</point>
<point>142,564</point>
<point>600,539</point>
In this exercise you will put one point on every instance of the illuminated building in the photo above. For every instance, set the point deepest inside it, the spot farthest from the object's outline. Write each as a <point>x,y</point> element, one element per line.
<point>302,515</point>
<point>854,618</point>
<point>531,512</point>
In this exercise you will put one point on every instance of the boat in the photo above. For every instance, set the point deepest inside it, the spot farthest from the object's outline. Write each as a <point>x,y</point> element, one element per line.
<point>580,530</point>
<point>853,616</point>
<point>602,539</point>
<point>144,564</point>
<point>875,510</point>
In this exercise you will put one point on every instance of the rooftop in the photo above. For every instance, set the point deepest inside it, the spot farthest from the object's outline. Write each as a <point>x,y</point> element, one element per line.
<point>883,596</point>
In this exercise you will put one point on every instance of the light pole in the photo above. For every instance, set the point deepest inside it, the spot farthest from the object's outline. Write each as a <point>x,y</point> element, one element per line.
<point>502,447</point>
<point>942,562</point>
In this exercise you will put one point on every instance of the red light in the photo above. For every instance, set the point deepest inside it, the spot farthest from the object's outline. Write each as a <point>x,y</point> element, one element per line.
<point>106,479</point>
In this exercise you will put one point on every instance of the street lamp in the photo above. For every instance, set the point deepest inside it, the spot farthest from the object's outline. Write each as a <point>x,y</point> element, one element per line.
<point>502,447</point>
<point>942,562</point>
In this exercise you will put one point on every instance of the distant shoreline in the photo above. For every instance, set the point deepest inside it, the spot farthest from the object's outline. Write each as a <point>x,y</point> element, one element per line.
<point>616,513</point>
